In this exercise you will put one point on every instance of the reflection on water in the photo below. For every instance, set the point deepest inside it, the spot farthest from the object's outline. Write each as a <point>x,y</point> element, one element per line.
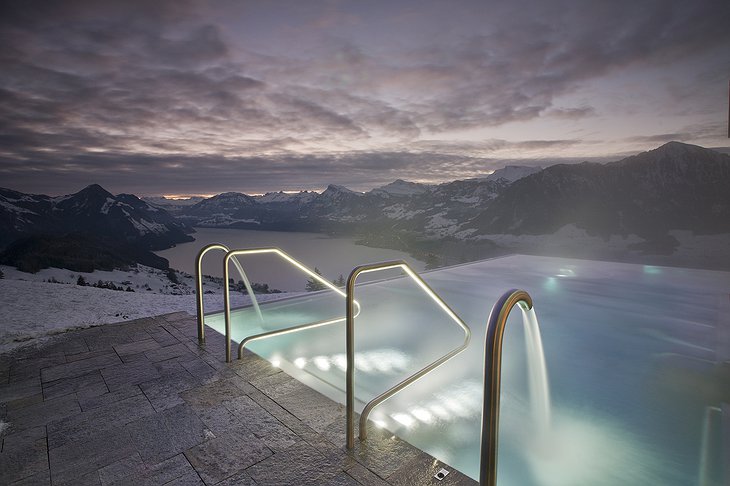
<point>632,355</point>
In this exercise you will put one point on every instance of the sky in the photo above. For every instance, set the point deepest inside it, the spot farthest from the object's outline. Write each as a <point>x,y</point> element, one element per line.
<point>200,97</point>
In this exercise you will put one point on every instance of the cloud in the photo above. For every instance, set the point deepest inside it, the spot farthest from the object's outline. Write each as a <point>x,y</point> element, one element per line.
<point>331,92</point>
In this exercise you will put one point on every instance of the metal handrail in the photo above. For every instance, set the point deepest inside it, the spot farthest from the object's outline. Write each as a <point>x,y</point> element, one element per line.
<point>287,330</point>
<point>199,286</point>
<point>492,380</point>
<point>350,347</point>
<point>226,297</point>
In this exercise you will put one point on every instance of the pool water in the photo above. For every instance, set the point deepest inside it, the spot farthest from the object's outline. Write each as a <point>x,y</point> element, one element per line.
<point>635,355</point>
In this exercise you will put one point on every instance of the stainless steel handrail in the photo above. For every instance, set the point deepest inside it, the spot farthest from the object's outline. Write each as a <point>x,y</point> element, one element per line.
<point>350,347</point>
<point>226,296</point>
<point>492,380</point>
<point>287,330</point>
<point>199,286</point>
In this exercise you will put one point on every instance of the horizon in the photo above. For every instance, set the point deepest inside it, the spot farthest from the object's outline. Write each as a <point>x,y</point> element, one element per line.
<point>319,189</point>
<point>199,98</point>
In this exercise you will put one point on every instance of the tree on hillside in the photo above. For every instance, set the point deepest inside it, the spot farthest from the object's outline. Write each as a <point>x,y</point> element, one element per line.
<point>339,281</point>
<point>313,284</point>
<point>432,261</point>
<point>2,275</point>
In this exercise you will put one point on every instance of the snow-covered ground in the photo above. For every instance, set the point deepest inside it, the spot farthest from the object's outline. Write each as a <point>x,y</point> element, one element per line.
<point>31,307</point>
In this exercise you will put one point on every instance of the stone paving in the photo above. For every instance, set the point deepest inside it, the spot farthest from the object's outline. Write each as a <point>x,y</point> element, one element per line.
<point>141,403</point>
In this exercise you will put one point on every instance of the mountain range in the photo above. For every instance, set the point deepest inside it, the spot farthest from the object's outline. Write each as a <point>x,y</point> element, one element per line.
<point>644,199</point>
<point>86,230</point>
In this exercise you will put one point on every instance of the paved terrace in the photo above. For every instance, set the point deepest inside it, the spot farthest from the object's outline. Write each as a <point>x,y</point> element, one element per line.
<point>140,403</point>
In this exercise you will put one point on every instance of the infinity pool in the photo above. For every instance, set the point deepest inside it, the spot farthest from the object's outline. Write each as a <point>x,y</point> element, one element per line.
<point>638,365</point>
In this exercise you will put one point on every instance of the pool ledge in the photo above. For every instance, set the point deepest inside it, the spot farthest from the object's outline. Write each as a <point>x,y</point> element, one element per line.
<point>140,402</point>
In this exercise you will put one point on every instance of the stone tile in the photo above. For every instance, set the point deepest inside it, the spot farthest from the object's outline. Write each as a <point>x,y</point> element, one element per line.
<point>252,366</point>
<point>125,374</point>
<point>21,389</point>
<point>80,367</point>
<point>190,479</point>
<point>200,369</point>
<point>133,471</point>
<point>422,468</point>
<point>312,408</point>
<point>169,352</point>
<point>169,367</point>
<point>239,479</point>
<point>106,341</point>
<point>72,344</point>
<point>44,412</point>
<point>24,455</point>
<point>164,392</point>
<point>167,433</point>
<point>21,403</point>
<point>365,476</point>
<point>344,479</point>
<point>77,462</point>
<point>92,422</point>
<point>219,420</point>
<point>211,394</point>
<point>86,355</point>
<point>29,368</point>
<point>301,464</point>
<point>226,455</point>
<point>42,478</point>
<point>275,435</point>
<point>162,337</point>
<point>278,384</point>
<point>136,347</point>
<point>384,453</point>
<point>90,384</point>
<point>126,391</point>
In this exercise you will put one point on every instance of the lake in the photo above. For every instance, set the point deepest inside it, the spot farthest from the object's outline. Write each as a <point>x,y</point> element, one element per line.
<point>332,256</point>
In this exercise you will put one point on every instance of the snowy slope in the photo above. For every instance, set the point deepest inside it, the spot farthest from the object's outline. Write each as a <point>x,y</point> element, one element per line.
<point>31,308</point>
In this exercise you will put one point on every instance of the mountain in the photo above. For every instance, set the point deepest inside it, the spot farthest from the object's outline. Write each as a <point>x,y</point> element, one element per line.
<point>674,187</point>
<point>399,187</point>
<point>286,198</point>
<point>512,173</point>
<point>92,211</point>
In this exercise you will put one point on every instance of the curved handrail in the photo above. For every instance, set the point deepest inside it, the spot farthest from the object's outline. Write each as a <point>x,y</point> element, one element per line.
<point>492,380</point>
<point>350,346</point>
<point>226,296</point>
<point>199,286</point>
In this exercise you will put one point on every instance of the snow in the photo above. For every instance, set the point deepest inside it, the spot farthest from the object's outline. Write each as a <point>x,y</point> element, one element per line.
<point>398,211</point>
<point>33,309</point>
<point>143,226</point>
<point>107,205</point>
<point>15,209</point>
<point>286,197</point>
<point>220,219</point>
<point>512,173</point>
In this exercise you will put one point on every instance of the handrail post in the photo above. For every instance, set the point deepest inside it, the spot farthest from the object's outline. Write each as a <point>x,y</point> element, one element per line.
<point>492,380</point>
<point>350,347</point>
<point>199,286</point>
<point>350,352</point>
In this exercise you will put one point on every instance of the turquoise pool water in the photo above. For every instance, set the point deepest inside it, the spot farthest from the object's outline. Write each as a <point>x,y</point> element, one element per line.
<point>635,355</point>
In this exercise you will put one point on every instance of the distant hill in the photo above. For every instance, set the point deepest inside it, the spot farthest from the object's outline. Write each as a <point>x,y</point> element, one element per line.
<point>674,187</point>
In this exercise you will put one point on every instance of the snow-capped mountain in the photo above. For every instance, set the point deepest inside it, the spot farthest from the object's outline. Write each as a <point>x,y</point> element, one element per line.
<point>512,173</point>
<point>286,198</point>
<point>93,211</point>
